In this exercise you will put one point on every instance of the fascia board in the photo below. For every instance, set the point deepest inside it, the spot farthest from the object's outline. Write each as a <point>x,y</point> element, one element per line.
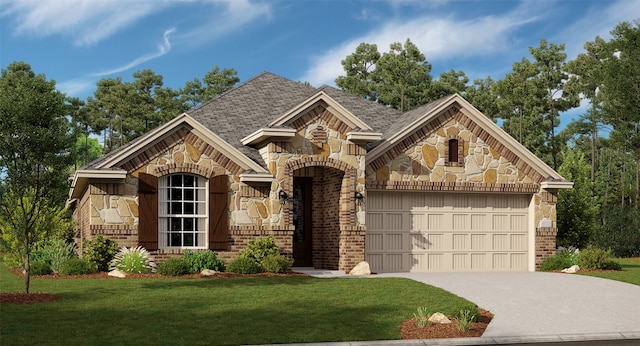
<point>364,136</point>
<point>80,179</point>
<point>332,106</point>
<point>556,185</point>
<point>256,178</point>
<point>211,138</point>
<point>266,133</point>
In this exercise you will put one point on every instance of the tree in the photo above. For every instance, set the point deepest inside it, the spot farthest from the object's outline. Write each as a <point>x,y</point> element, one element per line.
<point>621,93</point>
<point>402,77</point>
<point>577,210</point>
<point>215,81</point>
<point>450,82</point>
<point>35,154</point>
<point>482,95</point>
<point>359,67</point>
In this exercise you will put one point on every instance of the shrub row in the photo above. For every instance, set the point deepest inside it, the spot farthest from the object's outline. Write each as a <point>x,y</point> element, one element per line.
<point>590,259</point>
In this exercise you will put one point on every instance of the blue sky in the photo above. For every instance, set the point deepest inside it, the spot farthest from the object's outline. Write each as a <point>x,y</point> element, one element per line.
<point>78,42</point>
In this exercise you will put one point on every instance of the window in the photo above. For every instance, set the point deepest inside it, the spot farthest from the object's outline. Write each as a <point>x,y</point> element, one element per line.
<point>453,150</point>
<point>182,211</point>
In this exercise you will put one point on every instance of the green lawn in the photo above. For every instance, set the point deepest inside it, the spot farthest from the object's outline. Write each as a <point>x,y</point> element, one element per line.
<point>216,311</point>
<point>630,271</point>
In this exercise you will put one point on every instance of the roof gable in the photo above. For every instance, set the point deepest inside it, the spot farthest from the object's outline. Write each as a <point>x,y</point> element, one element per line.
<point>430,117</point>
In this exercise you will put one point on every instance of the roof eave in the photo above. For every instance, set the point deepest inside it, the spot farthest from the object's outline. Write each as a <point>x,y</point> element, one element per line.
<point>363,137</point>
<point>264,134</point>
<point>80,179</point>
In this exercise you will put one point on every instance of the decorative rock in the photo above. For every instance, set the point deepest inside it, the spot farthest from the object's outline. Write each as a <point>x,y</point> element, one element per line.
<point>361,268</point>
<point>208,272</point>
<point>574,268</point>
<point>439,318</point>
<point>117,273</point>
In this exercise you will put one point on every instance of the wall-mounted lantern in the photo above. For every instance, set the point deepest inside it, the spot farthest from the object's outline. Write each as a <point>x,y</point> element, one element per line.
<point>359,198</point>
<point>283,197</point>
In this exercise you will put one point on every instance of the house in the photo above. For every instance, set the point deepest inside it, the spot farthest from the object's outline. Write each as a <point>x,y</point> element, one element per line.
<point>336,179</point>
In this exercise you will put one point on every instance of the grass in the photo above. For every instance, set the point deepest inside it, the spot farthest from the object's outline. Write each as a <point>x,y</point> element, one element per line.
<point>222,311</point>
<point>630,271</point>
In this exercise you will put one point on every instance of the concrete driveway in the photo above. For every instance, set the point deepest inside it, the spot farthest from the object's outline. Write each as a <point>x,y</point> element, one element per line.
<point>540,304</point>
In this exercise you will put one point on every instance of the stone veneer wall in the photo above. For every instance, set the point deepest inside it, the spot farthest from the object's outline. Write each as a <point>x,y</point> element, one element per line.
<point>420,162</point>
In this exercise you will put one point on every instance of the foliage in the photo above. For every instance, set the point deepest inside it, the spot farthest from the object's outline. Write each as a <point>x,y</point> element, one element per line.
<point>244,265</point>
<point>40,267</point>
<point>565,258</point>
<point>100,251</point>
<point>35,143</point>
<point>421,316</point>
<point>201,260</point>
<point>577,211</point>
<point>133,260</point>
<point>259,248</point>
<point>77,266</point>
<point>87,149</point>
<point>276,264</point>
<point>465,318</point>
<point>359,68</point>
<point>629,271</point>
<point>621,231</point>
<point>594,259</point>
<point>173,267</point>
<point>55,253</point>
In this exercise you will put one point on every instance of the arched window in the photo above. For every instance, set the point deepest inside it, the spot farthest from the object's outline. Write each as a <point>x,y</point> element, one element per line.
<point>453,150</point>
<point>182,211</point>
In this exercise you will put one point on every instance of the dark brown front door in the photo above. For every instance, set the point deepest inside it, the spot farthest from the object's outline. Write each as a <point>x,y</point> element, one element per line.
<point>302,216</point>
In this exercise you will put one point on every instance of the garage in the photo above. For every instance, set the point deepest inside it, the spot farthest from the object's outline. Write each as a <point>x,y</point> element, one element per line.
<point>447,232</point>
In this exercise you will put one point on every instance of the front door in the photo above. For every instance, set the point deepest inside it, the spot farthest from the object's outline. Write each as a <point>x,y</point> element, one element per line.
<point>302,217</point>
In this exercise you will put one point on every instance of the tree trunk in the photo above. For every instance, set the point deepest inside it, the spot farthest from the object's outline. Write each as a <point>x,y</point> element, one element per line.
<point>27,265</point>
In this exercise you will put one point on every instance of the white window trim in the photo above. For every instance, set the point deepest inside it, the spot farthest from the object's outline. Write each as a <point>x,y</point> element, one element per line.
<point>163,216</point>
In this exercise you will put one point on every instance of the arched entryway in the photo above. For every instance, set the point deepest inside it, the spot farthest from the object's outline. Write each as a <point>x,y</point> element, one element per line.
<point>322,205</point>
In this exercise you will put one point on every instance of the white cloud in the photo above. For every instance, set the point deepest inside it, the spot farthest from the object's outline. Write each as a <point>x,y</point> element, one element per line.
<point>434,37</point>
<point>76,86</point>
<point>163,49</point>
<point>86,22</point>
<point>235,15</point>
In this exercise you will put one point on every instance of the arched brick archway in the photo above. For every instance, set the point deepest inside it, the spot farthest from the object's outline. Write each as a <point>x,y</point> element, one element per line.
<point>322,212</point>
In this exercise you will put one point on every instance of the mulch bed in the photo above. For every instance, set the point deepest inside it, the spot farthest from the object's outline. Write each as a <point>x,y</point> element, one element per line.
<point>409,329</point>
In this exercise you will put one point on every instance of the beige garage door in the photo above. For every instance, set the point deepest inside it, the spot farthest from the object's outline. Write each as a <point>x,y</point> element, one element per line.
<point>442,232</point>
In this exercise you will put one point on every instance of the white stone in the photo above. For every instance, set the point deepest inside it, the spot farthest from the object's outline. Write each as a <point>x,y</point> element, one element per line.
<point>471,166</point>
<point>574,268</point>
<point>111,216</point>
<point>241,217</point>
<point>117,273</point>
<point>361,268</point>
<point>438,317</point>
<point>208,272</point>
<point>545,223</point>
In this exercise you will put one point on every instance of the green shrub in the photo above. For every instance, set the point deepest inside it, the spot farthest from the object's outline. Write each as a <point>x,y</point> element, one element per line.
<point>199,261</point>
<point>422,317</point>
<point>55,252</point>
<point>465,311</point>
<point>465,317</point>
<point>244,265</point>
<point>564,259</point>
<point>40,268</point>
<point>276,264</point>
<point>594,258</point>
<point>173,267</point>
<point>260,248</point>
<point>77,266</point>
<point>133,260</point>
<point>100,251</point>
<point>612,265</point>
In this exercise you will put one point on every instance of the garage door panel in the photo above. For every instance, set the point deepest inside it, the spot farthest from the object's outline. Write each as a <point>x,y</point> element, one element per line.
<point>467,232</point>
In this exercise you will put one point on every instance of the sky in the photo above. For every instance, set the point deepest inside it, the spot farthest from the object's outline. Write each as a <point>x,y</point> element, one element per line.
<point>78,42</point>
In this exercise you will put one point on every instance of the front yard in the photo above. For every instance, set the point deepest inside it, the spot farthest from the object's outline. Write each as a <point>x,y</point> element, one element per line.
<point>630,272</point>
<point>247,310</point>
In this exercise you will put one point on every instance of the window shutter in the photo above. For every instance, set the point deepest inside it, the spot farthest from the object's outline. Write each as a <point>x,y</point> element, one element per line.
<point>218,212</point>
<point>148,211</point>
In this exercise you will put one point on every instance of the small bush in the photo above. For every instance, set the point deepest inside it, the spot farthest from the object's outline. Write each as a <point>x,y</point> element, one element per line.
<point>564,259</point>
<point>422,317</point>
<point>173,267</point>
<point>244,265</point>
<point>465,317</point>
<point>594,258</point>
<point>612,265</point>
<point>54,253</point>
<point>40,268</point>
<point>260,248</point>
<point>77,266</point>
<point>199,261</point>
<point>472,309</point>
<point>100,251</point>
<point>133,260</point>
<point>276,264</point>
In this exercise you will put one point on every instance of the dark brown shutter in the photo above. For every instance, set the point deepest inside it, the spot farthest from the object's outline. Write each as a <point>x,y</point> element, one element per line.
<point>218,212</point>
<point>148,211</point>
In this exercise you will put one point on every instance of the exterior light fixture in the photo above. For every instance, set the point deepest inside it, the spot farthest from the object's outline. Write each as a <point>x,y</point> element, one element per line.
<point>283,197</point>
<point>359,197</point>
